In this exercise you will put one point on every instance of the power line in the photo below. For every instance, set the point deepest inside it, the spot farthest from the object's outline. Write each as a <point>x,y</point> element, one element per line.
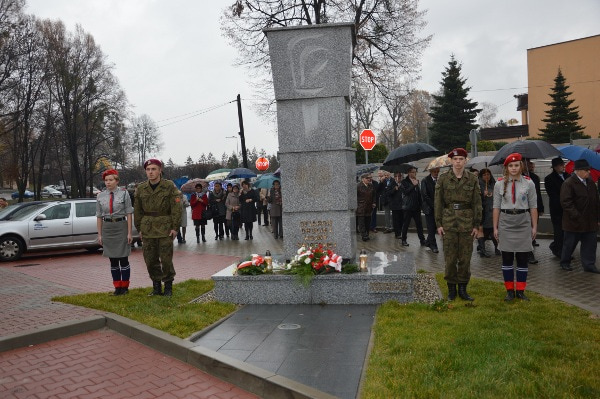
<point>193,114</point>
<point>532,87</point>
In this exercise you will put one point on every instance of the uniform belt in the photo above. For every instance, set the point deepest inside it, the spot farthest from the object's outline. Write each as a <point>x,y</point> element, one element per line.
<point>113,219</point>
<point>457,207</point>
<point>154,214</point>
<point>513,211</point>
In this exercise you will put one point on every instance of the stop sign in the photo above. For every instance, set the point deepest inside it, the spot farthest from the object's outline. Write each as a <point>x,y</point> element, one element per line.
<point>262,164</point>
<point>367,139</point>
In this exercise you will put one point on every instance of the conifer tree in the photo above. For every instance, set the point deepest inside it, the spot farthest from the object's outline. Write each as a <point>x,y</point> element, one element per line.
<point>453,115</point>
<point>561,118</point>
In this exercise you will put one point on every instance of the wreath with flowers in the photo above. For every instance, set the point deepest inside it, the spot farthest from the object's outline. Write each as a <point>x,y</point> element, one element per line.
<point>252,266</point>
<point>310,262</point>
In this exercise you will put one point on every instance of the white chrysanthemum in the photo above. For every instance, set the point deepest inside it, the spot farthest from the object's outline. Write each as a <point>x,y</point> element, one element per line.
<point>307,261</point>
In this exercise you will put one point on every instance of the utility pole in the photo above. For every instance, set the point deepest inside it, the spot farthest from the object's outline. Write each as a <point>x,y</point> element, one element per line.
<point>242,138</point>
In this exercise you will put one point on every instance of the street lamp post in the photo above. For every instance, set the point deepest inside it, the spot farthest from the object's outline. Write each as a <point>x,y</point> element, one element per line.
<point>236,144</point>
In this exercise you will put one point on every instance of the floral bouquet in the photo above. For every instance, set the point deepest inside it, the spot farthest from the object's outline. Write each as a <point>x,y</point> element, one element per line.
<point>313,261</point>
<point>252,266</point>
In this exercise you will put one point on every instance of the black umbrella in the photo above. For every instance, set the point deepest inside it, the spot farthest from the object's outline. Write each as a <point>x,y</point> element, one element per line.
<point>529,149</point>
<point>410,152</point>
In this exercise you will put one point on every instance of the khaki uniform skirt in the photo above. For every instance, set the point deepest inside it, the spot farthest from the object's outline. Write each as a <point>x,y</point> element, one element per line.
<point>514,232</point>
<point>114,239</point>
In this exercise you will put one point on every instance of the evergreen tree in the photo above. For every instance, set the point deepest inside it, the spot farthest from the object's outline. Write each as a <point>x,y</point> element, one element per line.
<point>453,115</point>
<point>561,118</point>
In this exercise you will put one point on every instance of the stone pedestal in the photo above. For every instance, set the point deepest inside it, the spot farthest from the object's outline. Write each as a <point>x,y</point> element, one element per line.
<point>311,77</point>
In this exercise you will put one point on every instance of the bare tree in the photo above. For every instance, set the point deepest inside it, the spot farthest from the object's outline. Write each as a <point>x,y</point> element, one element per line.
<point>11,16</point>
<point>487,116</point>
<point>24,90</point>
<point>396,105</point>
<point>146,137</point>
<point>417,117</point>
<point>387,32</point>
<point>365,106</point>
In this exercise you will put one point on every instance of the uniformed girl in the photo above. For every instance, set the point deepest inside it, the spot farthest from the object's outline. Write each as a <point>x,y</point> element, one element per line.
<point>515,224</point>
<point>114,210</point>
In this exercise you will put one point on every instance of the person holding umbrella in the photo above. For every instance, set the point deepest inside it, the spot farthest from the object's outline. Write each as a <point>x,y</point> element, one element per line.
<point>515,224</point>
<point>457,206</point>
<point>553,182</point>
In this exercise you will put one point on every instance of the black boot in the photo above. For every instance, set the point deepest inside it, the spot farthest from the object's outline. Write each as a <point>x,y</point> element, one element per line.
<point>156,288</point>
<point>521,295</point>
<point>510,295</point>
<point>482,251</point>
<point>451,292</point>
<point>462,292</point>
<point>198,236</point>
<point>168,288</point>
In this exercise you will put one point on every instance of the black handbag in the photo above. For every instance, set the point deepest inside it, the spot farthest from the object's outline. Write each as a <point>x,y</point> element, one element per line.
<point>208,214</point>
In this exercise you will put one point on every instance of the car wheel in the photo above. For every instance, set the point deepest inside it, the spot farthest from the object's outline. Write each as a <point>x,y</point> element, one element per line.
<point>11,248</point>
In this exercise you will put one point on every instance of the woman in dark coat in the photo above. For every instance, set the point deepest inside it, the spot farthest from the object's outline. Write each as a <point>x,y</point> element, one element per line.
<point>394,195</point>
<point>217,203</point>
<point>274,198</point>
<point>248,199</point>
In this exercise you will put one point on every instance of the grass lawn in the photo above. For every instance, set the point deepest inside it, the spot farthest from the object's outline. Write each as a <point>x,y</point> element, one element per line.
<point>174,315</point>
<point>538,349</point>
<point>488,349</point>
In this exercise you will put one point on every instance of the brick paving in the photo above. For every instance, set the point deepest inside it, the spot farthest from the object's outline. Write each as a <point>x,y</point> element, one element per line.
<point>103,364</point>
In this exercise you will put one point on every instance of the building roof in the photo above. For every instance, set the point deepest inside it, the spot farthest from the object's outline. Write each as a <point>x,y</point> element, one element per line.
<point>504,132</point>
<point>566,41</point>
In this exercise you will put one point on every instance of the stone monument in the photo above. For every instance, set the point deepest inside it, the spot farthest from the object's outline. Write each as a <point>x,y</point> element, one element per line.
<point>312,76</point>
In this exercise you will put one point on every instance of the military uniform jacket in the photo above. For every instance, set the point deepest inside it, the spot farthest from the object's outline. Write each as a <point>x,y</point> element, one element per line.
<point>457,202</point>
<point>158,211</point>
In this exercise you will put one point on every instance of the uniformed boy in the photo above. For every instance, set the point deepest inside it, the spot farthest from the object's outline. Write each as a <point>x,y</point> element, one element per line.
<point>458,216</point>
<point>157,216</point>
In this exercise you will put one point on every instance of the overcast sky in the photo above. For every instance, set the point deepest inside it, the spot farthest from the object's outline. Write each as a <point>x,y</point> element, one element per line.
<point>172,61</point>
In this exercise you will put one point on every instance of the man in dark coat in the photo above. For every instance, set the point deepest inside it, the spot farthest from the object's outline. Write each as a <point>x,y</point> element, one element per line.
<point>411,205</point>
<point>428,196</point>
<point>394,196</point>
<point>529,171</point>
<point>553,183</point>
<point>365,202</point>
<point>581,210</point>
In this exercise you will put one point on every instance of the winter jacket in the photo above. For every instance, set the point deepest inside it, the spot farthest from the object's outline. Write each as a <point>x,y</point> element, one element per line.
<point>365,198</point>
<point>581,205</point>
<point>411,195</point>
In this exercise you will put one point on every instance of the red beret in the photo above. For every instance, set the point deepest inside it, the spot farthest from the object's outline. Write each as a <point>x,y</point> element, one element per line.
<point>153,161</point>
<point>515,156</point>
<point>458,152</point>
<point>109,172</point>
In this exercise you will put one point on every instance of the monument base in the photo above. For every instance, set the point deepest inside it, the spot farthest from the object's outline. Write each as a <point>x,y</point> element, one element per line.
<point>388,278</point>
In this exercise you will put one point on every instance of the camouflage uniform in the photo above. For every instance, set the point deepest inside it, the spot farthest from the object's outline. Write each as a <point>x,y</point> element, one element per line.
<point>156,213</point>
<point>458,210</point>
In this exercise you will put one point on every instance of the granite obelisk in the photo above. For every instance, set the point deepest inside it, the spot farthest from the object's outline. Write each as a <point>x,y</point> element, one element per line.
<point>312,76</point>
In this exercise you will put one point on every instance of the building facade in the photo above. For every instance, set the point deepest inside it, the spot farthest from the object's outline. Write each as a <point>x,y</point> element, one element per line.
<point>579,61</point>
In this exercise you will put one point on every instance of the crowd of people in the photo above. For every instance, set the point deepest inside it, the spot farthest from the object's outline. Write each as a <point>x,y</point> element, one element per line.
<point>461,206</point>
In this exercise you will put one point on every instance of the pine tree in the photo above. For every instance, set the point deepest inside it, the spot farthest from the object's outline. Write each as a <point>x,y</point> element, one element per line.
<point>453,115</point>
<point>561,118</point>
